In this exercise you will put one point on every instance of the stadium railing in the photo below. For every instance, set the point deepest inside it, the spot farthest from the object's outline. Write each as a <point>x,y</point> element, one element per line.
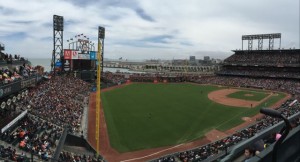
<point>60,145</point>
<point>16,86</point>
<point>239,148</point>
<point>289,150</point>
<point>79,141</point>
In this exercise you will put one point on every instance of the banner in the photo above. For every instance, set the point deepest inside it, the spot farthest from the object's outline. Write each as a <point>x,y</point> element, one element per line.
<point>292,103</point>
<point>14,121</point>
<point>93,55</point>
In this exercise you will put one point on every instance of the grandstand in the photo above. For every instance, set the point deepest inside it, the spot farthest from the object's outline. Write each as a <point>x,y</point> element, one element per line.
<point>27,131</point>
<point>263,63</point>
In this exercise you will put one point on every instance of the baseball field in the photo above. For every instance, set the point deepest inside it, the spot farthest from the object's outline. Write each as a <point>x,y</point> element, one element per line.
<point>143,116</point>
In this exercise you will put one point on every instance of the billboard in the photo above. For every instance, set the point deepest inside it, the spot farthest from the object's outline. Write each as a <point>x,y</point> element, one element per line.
<point>70,54</point>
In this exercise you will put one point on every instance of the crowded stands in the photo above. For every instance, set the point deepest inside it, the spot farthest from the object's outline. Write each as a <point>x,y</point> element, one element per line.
<point>34,135</point>
<point>11,154</point>
<point>67,156</point>
<point>38,133</point>
<point>276,58</point>
<point>109,79</point>
<point>272,64</point>
<point>63,97</point>
<point>260,72</point>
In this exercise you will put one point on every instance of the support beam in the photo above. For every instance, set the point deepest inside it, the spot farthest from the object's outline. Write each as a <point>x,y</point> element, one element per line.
<point>271,43</point>
<point>260,43</point>
<point>250,44</point>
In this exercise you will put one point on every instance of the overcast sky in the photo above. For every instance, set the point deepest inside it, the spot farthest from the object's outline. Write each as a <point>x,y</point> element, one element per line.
<point>145,29</point>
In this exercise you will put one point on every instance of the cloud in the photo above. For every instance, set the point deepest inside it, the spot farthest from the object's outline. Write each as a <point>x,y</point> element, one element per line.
<point>147,29</point>
<point>143,15</point>
<point>158,39</point>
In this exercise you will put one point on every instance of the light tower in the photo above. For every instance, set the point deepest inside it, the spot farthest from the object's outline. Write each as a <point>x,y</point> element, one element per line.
<point>57,54</point>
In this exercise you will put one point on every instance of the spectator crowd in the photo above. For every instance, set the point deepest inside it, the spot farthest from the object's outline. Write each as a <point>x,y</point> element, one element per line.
<point>264,58</point>
<point>260,73</point>
<point>51,105</point>
<point>71,157</point>
<point>8,75</point>
<point>63,98</point>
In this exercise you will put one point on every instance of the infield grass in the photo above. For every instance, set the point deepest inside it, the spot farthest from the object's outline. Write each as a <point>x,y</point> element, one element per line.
<point>142,116</point>
<point>250,95</point>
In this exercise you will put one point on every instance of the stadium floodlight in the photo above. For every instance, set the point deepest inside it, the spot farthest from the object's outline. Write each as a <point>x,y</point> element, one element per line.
<point>58,23</point>
<point>101,32</point>
<point>260,38</point>
<point>57,55</point>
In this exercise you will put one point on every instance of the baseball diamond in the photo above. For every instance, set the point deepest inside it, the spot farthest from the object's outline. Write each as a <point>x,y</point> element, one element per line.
<point>156,116</point>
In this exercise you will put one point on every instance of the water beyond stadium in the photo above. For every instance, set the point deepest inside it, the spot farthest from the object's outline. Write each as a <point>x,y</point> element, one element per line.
<point>46,63</point>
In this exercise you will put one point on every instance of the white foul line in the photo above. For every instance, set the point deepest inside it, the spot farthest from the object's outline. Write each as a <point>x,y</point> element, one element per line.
<point>151,154</point>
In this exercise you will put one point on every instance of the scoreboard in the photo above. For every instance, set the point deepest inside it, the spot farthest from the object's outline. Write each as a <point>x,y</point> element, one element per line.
<point>77,60</point>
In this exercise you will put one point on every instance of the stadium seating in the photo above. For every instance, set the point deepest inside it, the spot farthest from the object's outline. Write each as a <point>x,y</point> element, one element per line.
<point>269,63</point>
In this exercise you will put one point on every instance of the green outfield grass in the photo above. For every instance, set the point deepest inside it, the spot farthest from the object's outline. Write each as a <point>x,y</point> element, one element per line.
<point>142,116</point>
<point>255,95</point>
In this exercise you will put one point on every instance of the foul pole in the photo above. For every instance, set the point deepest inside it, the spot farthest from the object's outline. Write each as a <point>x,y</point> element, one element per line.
<point>98,95</point>
<point>101,36</point>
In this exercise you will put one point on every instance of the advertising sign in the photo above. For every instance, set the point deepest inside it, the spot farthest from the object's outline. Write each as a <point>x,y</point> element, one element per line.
<point>75,55</point>
<point>67,54</point>
<point>92,55</point>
